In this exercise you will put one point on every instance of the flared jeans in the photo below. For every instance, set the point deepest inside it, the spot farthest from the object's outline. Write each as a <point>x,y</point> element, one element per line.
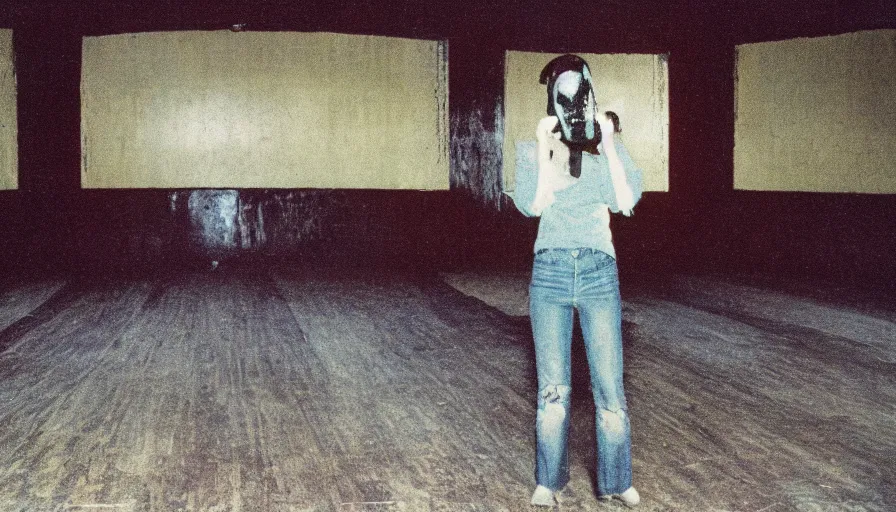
<point>587,281</point>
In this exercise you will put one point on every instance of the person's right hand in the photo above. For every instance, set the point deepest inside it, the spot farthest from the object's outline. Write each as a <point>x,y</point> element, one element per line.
<point>545,128</point>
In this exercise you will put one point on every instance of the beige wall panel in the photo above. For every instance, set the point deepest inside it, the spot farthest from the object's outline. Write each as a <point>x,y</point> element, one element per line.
<point>9,146</point>
<point>817,115</point>
<point>635,86</point>
<point>263,109</point>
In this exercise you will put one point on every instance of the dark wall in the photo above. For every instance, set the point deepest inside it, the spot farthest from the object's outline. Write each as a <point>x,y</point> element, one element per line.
<point>700,224</point>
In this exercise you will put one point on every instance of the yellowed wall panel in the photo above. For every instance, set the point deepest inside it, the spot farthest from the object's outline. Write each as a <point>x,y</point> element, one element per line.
<point>817,115</point>
<point>263,109</point>
<point>635,86</point>
<point>9,146</point>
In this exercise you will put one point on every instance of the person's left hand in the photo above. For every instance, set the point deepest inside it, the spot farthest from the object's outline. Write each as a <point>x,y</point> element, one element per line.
<point>607,128</point>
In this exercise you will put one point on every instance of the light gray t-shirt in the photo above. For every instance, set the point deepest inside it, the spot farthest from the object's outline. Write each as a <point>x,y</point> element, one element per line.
<point>580,215</point>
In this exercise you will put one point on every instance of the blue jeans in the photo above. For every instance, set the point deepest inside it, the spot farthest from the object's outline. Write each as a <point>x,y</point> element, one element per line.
<point>586,280</point>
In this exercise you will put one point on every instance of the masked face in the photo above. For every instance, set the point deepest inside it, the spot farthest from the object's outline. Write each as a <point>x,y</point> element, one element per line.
<point>574,105</point>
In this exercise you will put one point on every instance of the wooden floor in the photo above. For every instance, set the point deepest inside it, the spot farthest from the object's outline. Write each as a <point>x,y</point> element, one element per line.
<point>284,390</point>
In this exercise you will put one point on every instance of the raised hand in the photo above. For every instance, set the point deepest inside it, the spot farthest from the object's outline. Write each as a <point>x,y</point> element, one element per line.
<point>545,128</point>
<point>608,122</point>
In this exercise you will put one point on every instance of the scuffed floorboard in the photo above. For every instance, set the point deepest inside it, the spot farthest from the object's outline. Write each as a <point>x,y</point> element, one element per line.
<point>19,300</point>
<point>290,390</point>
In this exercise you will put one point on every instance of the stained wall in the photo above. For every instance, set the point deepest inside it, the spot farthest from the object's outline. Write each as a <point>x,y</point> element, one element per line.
<point>817,114</point>
<point>9,154</point>
<point>702,223</point>
<point>224,109</point>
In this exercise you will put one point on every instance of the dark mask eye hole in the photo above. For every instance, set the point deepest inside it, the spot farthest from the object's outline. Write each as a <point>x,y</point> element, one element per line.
<point>565,102</point>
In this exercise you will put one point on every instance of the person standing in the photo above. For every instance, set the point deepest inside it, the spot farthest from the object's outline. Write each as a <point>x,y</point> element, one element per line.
<point>572,176</point>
